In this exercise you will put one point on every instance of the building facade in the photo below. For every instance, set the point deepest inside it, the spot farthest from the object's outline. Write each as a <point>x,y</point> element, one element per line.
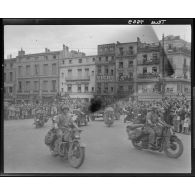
<point>106,71</point>
<point>149,71</point>
<point>77,77</point>
<point>9,79</point>
<point>178,53</point>
<point>126,63</point>
<point>37,76</point>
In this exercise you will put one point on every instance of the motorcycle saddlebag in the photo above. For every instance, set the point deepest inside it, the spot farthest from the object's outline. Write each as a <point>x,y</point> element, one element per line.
<point>134,133</point>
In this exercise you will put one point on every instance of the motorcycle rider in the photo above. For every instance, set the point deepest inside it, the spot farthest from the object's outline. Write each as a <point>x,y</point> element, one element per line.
<point>151,122</point>
<point>64,121</point>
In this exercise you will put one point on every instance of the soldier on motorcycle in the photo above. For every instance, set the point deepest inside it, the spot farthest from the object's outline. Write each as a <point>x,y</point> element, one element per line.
<point>64,121</point>
<point>152,119</point>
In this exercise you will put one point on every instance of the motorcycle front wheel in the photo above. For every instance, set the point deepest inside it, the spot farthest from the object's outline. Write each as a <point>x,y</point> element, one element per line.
<point>136,144</point>
<point>76,154</point>
<point>175,150</point>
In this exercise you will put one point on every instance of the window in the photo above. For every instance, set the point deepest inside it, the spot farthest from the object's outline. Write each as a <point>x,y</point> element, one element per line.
<point>36,69</point>
<point>145,58</point>
<point>45,69</point>
<point>69,73</point>
<point>11,66</point>
<point>70,61</point>
<point>86,88</point>
<point>27,85</point>
<point>112,72</point>
<point>11,76</point>
<point>92,73</point>
<point>100,59</point>
<point>121,88</point>
<point>80,60</point>
<point>54,57</point>
<point>131,50</point>
<point>92,89</point>
<point>170,90</point>
<point>170,46</point>
<point>154,56</point>
<point>79,72</point>
<point>130,64</point>
<point>87,72</point>
<point>4,77</point>
<point>154,69</point>
<point>62,61</point>
<point>130,74</point>
<point>62,75</point>
<point>54,69</point>
<point>130,88</point>
<point>121,51</point>
<point>144,70</point>
<point>79,88</point>
<point>46,57</point>
<point>69,88</point>
<point>19,70</point>
<point>62,89</point>
<point>36,87</point>
<point>184,63</point>
<point>106,58</point>
<point>112,57</point>
<point>45,85</point>
<point>99,70</point>
<point>121,65</point>
<point>105,87</point>
<point>20,86</point>
<point>106,70</point>
<point>99,87</point>
<point>27,70</point>
<point>112,89</point>
<point>53,85</point>
<point>93,59</point>
<point>10,89</point>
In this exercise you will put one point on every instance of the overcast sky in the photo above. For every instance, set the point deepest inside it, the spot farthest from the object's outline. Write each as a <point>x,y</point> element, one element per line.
<point>34,39</point>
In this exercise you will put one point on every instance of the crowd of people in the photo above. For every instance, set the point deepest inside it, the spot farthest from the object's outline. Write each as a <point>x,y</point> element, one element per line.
<point>177,112</point>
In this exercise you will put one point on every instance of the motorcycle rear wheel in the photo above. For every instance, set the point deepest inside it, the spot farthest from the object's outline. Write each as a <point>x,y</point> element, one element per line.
<point>76,155</point>
<point>169,150</point>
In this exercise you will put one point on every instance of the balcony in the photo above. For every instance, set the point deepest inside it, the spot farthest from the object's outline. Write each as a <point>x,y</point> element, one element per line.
<point>125,78</point>
<point>82,78</point>
<point>126,54</point>
<point>178,50</point>
<point>149,62</point>
<point>149,48</point>
<point>105,62</point>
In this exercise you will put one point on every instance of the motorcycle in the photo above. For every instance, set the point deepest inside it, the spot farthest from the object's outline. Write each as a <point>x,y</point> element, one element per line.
<point>166,141</point>
<point>109,119</point>
<point>39,122</point>
<point>68,144</point>
<point>80,118</point>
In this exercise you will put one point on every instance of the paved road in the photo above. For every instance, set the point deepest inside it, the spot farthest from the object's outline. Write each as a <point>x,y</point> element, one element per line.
<point>108,151</point>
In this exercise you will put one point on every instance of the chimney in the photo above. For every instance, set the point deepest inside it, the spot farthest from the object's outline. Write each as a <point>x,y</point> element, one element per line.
<point>21,52</point>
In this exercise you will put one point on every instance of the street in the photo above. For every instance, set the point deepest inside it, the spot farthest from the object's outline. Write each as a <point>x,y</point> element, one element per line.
<point>107,151</point>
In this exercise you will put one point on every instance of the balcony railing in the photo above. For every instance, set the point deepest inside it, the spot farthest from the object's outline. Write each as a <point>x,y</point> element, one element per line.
<point>149,62</point>
<point>105,62</point>
<point>148,76</point>
<point>125,78</point>
<point>105,77</point>
<point>126,53</point>
<point>149,48</point>
<point>83,78</point>
<point>179,50</point>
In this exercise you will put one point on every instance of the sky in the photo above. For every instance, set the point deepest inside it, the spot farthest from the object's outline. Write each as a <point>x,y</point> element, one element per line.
<point>85,38</point>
